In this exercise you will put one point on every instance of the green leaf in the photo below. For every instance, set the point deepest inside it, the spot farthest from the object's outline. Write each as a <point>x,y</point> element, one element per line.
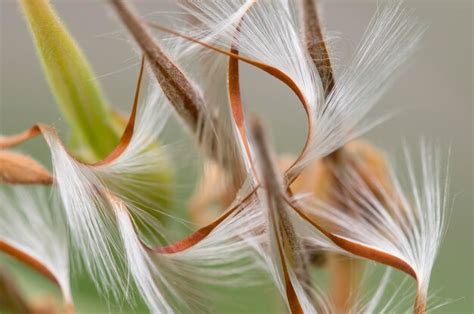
<point>95,129</point>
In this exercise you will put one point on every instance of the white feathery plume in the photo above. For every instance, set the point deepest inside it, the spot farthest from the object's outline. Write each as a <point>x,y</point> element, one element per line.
<point>407,225</point>
<point>225,255</point>
<point>269,33</point>
<point>151,119</point>
<point>83,187</point>
<point>172,279</point>
<point>90,220</point>
<point>266,32</point>
<point>140,265</point>
<point>143,170</point>
<point>33,223</point>
<point>390,38</point>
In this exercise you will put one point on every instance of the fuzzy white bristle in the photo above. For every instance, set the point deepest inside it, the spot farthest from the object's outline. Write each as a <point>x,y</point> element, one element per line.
<point>269,32</point>
<point>171,282</point>
<point>32,222</point>
<point>266,32</point>
<point>140,265</point>
<point>408,223</point>
<point>226,254</point>
<point>391,37</point>
<point>82,189</point>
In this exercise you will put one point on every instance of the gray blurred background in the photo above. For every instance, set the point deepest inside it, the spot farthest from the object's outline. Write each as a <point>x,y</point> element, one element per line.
<point>432,97</point>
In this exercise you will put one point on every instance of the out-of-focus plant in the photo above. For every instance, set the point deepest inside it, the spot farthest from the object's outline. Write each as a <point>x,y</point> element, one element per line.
<point>337,204</point>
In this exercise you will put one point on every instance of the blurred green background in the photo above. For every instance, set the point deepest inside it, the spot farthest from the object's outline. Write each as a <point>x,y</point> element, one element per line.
<point>432,97</point>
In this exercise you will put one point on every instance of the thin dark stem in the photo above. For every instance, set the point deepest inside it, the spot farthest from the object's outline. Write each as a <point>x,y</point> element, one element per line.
<point>174,83</point>
<point>273,183</point>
